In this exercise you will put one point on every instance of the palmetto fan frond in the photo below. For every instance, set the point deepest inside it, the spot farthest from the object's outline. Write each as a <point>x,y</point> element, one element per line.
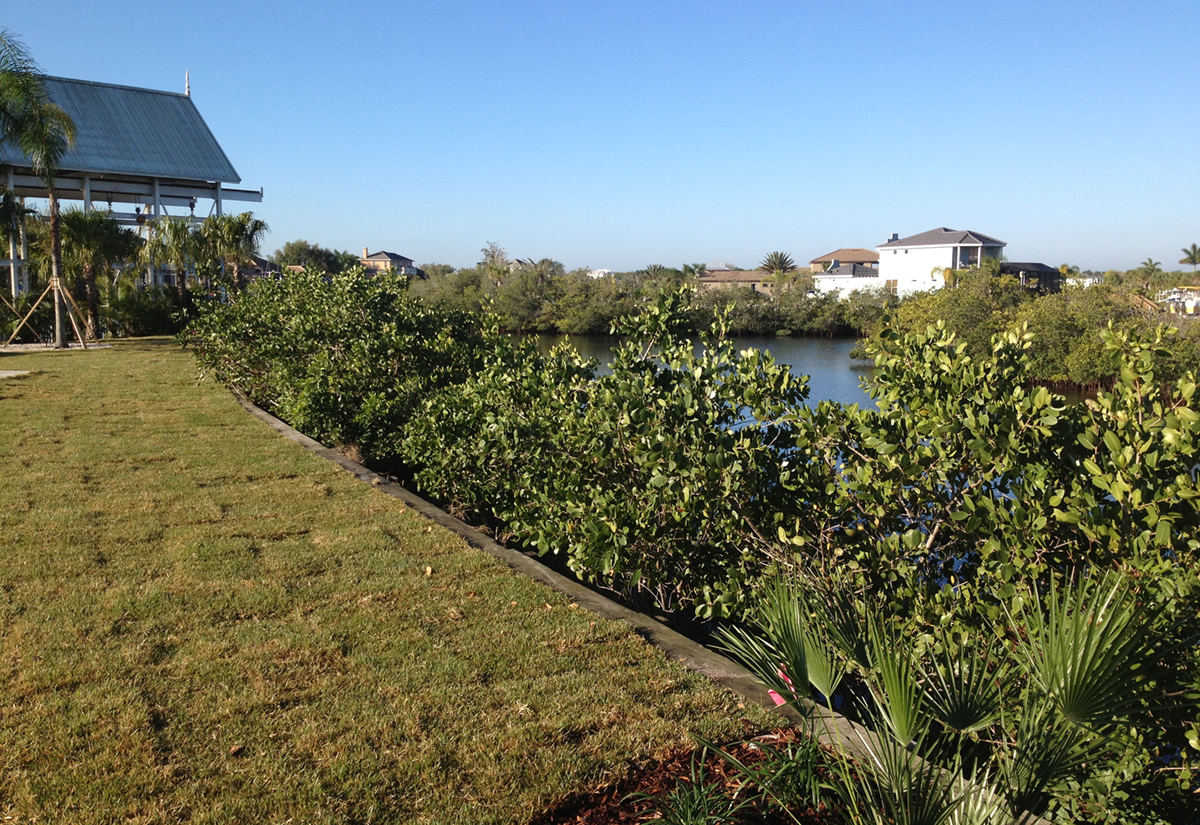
<point>898,696</point>
<point>1087,649</point>
<point>965,686</point>
<point>791,652</point>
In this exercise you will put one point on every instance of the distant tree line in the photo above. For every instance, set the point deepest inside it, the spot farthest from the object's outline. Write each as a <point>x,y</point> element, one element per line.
<point>313,256</point>
<point>542,296</point>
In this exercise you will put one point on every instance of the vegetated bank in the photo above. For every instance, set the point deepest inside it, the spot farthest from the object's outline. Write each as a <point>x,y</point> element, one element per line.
<point>949,540</point>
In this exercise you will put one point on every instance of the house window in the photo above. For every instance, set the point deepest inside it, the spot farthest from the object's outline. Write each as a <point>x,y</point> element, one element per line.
<point>890,287</point>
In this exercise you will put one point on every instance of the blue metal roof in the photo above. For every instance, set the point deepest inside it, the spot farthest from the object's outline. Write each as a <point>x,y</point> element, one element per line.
<point>124,130</point>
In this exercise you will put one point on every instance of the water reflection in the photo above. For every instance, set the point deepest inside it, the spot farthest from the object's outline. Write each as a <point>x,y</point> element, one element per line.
<point>833,374</point>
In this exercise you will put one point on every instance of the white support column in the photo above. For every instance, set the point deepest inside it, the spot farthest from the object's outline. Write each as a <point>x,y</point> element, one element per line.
<point>218,198</point>
<point>87,192</point>
<point>24,270</point>
<point>157,270</point>
<point>12,248</point>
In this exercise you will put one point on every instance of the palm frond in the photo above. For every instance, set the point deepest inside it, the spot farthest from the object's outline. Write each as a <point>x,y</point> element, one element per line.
<point>897,694</point>
<point>893,784</point>
<point>964,686</point>
<point>779,653</point>
<point>1047,749</point>
<point>1086,648</point>
<point>836,612</point>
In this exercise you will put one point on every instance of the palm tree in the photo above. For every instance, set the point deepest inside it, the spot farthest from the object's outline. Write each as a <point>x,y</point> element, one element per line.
<point>1191,256</point>
<point>948,273</point>
<point>94,241</point>
<point>234,238</point>
<point>172,242</point>
<point>44,132</point>
<point>45,137</point>
<point>777,263</point>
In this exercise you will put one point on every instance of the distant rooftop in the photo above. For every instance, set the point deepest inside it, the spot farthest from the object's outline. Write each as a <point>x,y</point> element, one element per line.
<point>390,257</point>
<point>944,237</point>
<point>123,130</point>
<point>848,255</point>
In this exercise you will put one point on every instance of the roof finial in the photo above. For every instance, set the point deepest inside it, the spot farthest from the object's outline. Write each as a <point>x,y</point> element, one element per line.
<point>187,84</point>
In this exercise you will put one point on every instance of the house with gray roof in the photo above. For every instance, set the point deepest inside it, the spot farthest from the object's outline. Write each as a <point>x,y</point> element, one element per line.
<point>915,263</point>
<point>132,146</point>
<point>148,150</point>
<point>383,261</point>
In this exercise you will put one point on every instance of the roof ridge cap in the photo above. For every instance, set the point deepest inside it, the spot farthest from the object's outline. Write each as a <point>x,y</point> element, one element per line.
<point>116,86</point>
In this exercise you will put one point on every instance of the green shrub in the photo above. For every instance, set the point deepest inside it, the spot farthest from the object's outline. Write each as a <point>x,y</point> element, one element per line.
<point>662,476</point>
<point>347,359</point>
<point>153,310</point>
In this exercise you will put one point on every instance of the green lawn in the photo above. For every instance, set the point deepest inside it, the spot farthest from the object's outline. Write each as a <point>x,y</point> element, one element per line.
<point>202,622</point>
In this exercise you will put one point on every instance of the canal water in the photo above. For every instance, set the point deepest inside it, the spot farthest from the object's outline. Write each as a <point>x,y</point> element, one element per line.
<point>833,374</point>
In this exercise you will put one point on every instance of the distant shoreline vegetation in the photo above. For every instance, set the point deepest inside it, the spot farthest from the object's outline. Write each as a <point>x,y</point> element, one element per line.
<point>1068,353</point>
<point>542,296</point>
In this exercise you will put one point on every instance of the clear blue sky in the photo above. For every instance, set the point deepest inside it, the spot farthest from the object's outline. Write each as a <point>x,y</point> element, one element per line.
<point>621,134</point>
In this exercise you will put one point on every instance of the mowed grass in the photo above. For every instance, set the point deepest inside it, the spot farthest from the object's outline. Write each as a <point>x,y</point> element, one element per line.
<point>202,622</point>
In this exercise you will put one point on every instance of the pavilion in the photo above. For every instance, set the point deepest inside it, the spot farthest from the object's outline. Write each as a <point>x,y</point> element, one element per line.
<point>140,147</point>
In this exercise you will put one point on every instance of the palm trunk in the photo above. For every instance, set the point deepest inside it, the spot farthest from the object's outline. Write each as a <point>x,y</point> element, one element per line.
<point>185,295</point>
<point>238,283</point>
<point>93,301</point>
<point>56,271</point>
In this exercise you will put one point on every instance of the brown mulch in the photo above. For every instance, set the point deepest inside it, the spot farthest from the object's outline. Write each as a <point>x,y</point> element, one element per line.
<point>610,805</point>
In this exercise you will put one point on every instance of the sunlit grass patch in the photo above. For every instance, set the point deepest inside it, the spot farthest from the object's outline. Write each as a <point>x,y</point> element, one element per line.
<point>199,620</point>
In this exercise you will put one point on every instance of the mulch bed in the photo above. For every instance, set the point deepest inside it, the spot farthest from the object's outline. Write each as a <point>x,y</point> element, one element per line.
<point>611,805</point>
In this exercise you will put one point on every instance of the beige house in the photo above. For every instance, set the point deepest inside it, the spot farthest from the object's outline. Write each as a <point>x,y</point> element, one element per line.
<point>756,279</point>
<point>383,261</point>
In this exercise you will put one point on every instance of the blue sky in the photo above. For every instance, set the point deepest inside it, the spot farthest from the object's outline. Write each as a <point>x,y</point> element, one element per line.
<point>620,134</point>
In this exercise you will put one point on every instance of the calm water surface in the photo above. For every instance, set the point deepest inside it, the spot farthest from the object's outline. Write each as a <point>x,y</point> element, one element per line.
<point>833,375</point>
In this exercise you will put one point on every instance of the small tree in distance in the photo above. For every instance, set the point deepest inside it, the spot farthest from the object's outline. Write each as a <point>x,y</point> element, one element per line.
<point>778,263</point>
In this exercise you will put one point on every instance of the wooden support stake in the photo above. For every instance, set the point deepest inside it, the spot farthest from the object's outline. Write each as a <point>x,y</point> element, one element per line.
<point>25,320</point>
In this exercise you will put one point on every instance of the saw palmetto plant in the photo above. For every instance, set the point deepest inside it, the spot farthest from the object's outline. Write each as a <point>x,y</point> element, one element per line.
<point>982,727</point>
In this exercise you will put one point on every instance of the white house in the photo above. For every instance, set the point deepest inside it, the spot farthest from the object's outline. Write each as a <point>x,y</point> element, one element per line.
<point>844,278</point>
<point>906,264</point>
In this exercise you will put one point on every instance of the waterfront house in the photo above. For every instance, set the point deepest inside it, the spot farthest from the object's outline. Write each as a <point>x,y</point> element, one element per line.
<point>909,264</point>
<point>139,152</point>
<point>755,279</point>
<point>1039,277</point>
<point>383,261</point>
<point>1183,300</point>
